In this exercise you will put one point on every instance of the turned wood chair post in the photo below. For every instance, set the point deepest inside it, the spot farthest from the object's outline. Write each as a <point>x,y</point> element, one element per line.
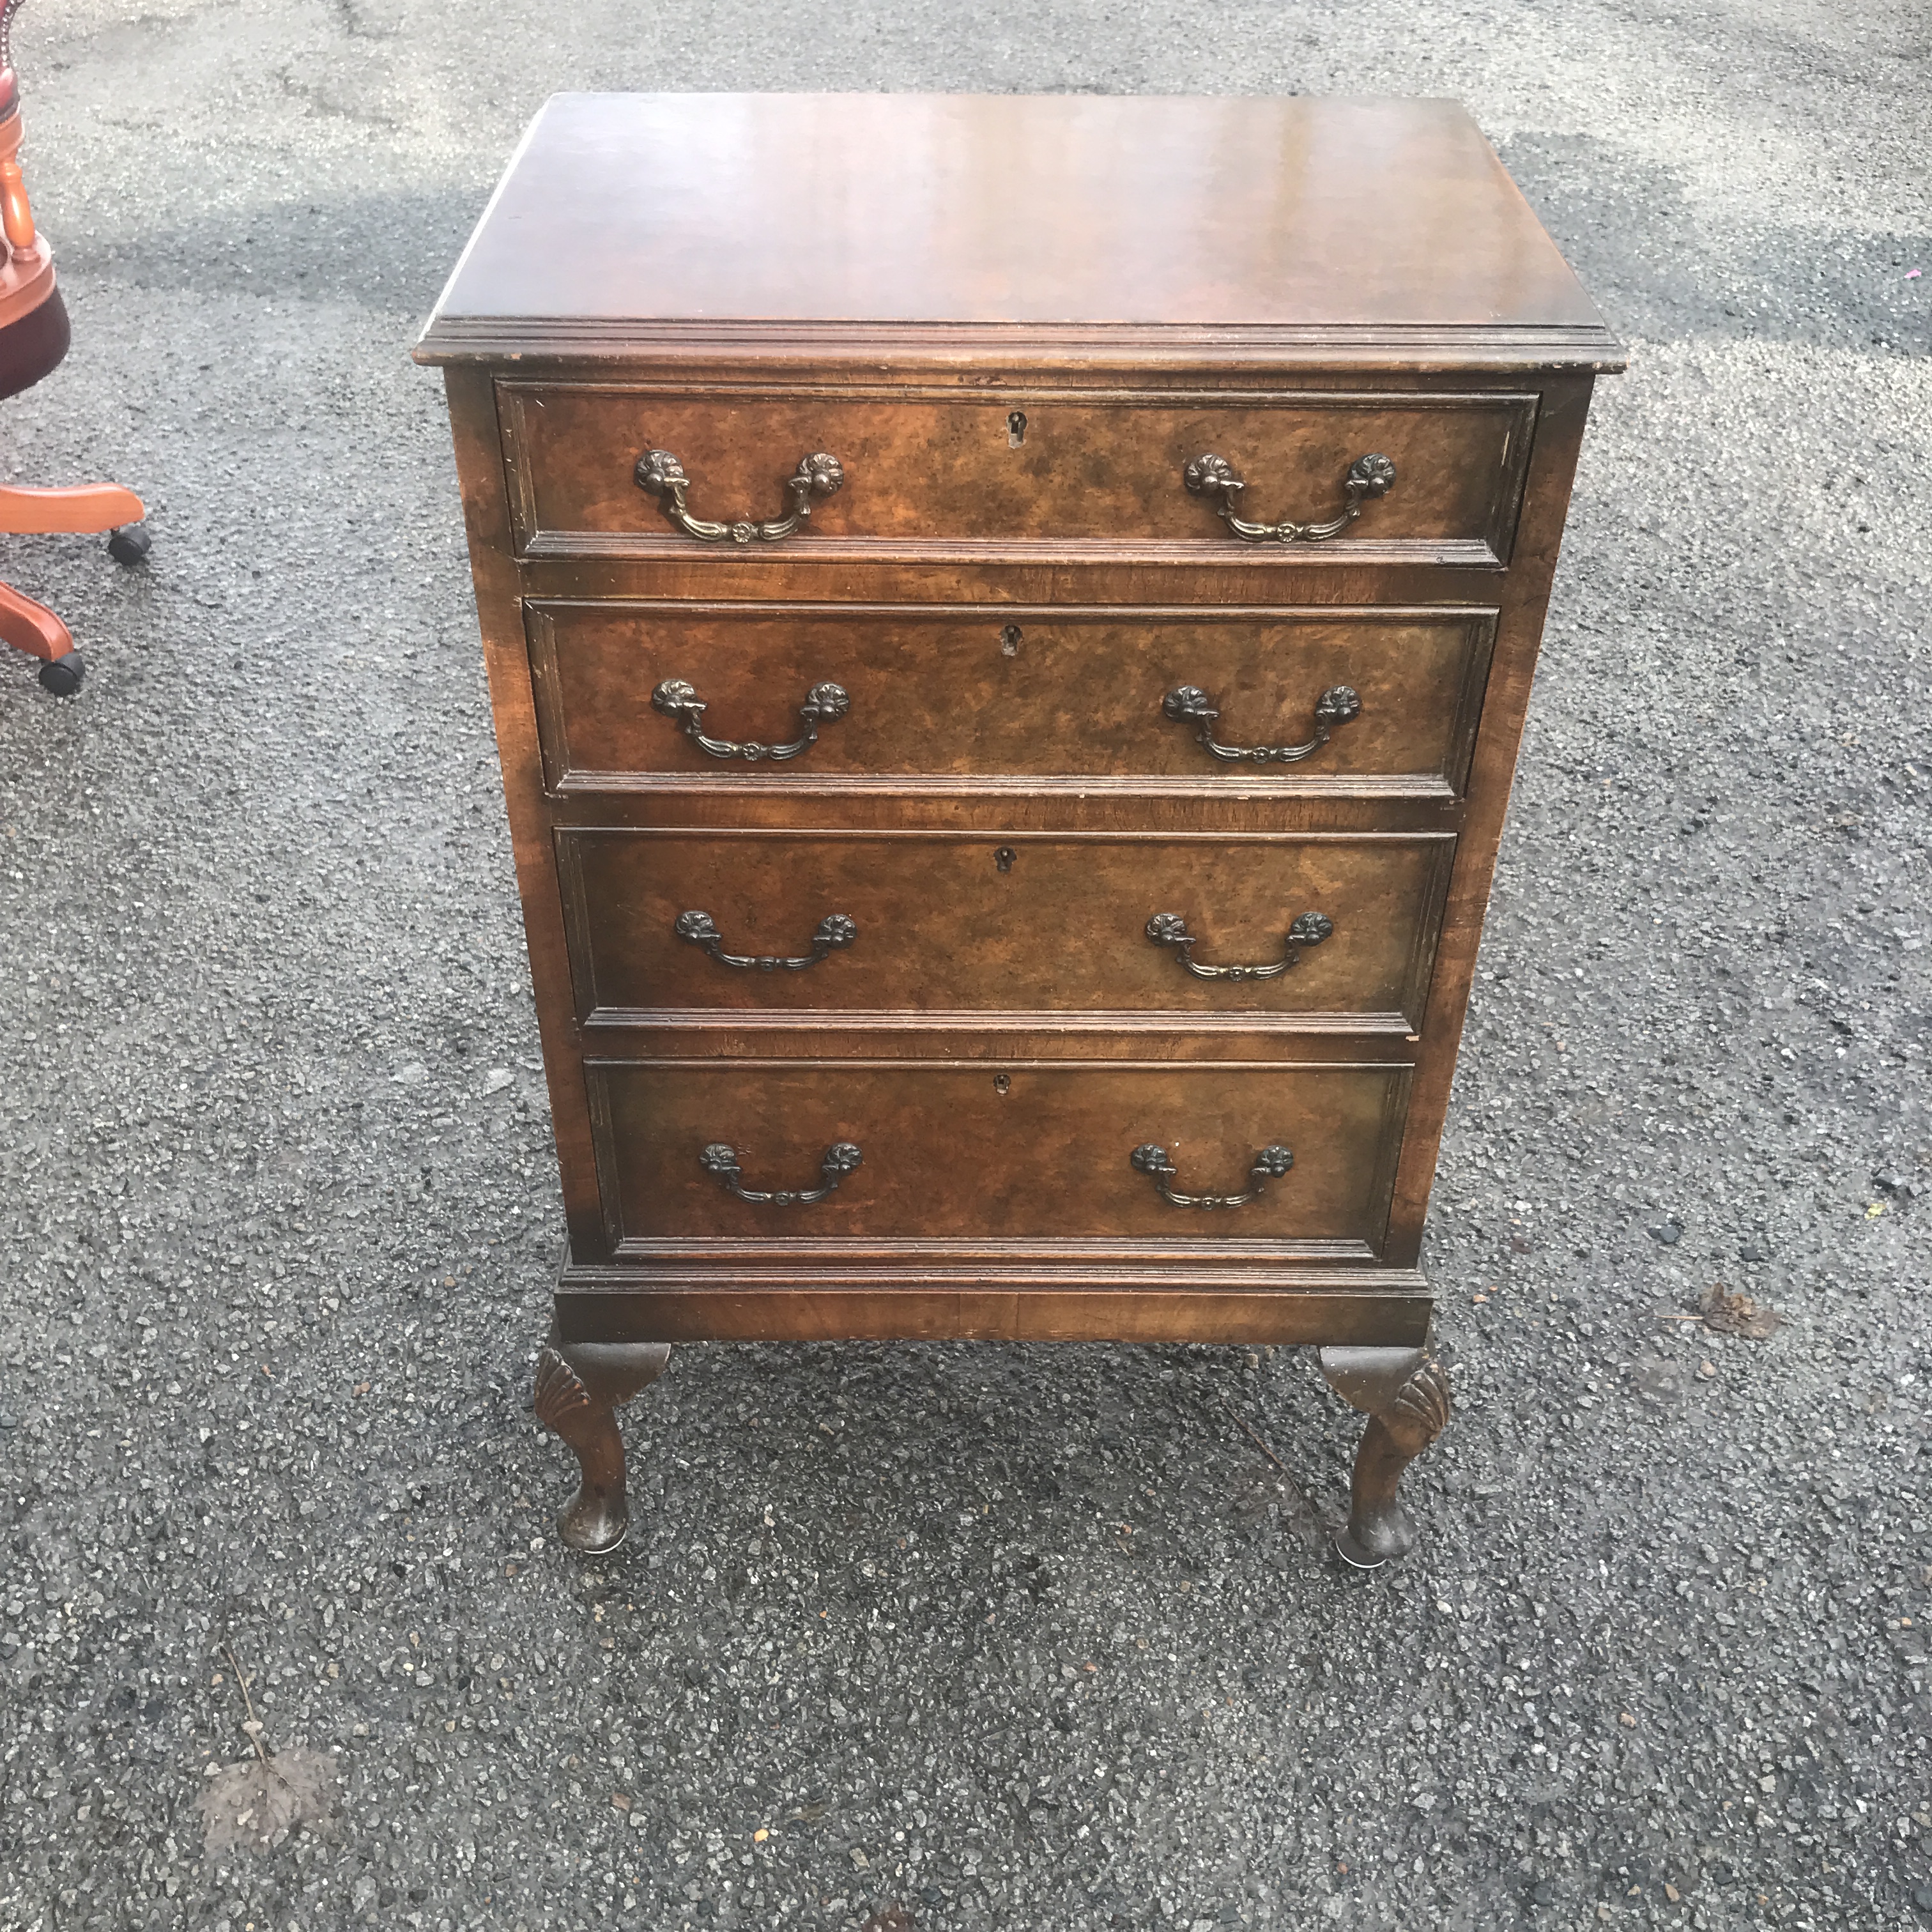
<point>17,214</point>
<point>26,251</point>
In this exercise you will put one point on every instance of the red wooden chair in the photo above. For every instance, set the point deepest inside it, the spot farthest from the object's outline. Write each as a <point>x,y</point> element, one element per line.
<point>34,337</point>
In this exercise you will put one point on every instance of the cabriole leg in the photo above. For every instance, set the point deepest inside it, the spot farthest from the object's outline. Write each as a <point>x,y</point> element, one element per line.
<point>580,1385</point>
<point>1405,1393</point>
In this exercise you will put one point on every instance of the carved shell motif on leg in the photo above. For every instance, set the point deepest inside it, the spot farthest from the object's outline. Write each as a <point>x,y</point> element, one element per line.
<point>561,1398</point>
<point>1419,1412</point>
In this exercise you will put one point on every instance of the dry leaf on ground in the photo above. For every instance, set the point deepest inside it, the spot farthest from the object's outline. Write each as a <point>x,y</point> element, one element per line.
<point>254,1803</point>
<point>1728,1314</point>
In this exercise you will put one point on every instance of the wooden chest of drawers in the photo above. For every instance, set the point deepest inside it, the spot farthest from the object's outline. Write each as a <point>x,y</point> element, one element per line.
<point>1009,620</point>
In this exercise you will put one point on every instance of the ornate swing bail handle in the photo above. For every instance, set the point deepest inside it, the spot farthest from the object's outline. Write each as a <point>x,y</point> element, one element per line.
<point>835,930</point>
<point>1271,1164</point>
<point>660,475</point>
<point>1170,928</point>
<point>1216,479</point>
<point>1189,704</point>
<point>720,1163</point>
<point>678,700</point>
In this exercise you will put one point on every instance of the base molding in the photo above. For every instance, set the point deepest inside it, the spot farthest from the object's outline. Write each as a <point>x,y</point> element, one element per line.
<point>1385,1307</point>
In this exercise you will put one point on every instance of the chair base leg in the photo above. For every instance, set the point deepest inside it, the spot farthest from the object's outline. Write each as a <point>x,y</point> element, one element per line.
<point>86,506</point>
<point>31,627</point>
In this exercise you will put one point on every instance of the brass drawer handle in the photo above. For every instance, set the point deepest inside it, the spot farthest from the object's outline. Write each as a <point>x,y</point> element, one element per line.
<point>835,930</point>
<point>1271,1164</point>
<point>1190,705</point>
<point>660,475</point>
<point>720,1163</point>
<point>1169,929</point>
<point>824,704</point>
<point>1214,477</point>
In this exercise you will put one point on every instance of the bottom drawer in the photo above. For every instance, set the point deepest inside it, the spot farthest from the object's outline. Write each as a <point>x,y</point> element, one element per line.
<point>991,1153</point>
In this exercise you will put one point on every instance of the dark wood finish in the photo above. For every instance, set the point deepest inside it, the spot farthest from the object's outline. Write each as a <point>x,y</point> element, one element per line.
<point>916,1297</point>
<point>951,471</point>
<point>940,927</point>
<point>1553,464</point>
<point>1405,1394</point>
<point>632,225</point>
<point>1002,691</point>
<point>579,1386</point>
<point>1002,805</point>
<point>1027,1153</point>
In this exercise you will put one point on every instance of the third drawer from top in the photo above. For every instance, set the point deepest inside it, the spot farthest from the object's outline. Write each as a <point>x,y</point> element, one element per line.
<point>1334,932</point>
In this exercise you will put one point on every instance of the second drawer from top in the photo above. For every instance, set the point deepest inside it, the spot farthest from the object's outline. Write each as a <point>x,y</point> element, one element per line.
<point>1370,699</point>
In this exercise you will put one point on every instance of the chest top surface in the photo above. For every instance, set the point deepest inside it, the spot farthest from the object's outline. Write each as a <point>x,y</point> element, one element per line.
<point>627,219</point>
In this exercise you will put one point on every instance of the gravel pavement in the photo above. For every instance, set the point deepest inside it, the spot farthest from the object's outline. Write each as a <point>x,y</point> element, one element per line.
<point>934,1637</point>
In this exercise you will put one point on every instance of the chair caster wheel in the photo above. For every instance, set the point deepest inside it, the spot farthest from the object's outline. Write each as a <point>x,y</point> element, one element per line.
<point>131,545</point>
<point>62,675</point>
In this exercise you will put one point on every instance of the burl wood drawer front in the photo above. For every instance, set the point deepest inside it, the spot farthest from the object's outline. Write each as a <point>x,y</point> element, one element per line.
<point>943,693</point>
<point>1021,1154</point>
<point>933,468</point>
<point>1336,928</point>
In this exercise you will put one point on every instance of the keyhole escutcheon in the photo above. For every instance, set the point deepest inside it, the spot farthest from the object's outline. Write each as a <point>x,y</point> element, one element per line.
<point>1009,641</point>
<point>1003,858</point>
<point>1000,1083</point>
<point>1015,429</point>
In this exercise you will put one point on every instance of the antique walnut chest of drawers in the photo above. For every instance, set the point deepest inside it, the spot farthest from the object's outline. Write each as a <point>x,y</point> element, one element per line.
<point>1008,622</point>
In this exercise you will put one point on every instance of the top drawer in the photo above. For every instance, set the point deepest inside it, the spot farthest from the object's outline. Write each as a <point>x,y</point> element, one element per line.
<point>926,473</point>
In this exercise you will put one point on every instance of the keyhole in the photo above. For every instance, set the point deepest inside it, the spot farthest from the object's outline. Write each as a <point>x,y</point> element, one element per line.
<point>1004,857</point>
<point>1016,429</point>
<point>1009,641</point>
<point>1000,1083</point>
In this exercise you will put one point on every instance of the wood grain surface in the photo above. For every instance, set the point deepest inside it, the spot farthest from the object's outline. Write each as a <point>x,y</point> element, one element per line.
<point>1060,926</point>
<point>1014,464</point>
<point>626,220</point>
<point>997,1154</point>
<point>999,691</point>
<point>1287,284</point>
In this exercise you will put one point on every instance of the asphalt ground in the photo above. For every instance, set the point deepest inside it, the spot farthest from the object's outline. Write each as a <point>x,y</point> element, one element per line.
<point>927,1637</point>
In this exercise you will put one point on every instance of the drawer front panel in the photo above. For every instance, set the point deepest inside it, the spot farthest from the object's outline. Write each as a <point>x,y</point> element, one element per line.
<point>880,923</point>
<point>945,693</point>
<point>1026,1153</point>
<point>934,468</point>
